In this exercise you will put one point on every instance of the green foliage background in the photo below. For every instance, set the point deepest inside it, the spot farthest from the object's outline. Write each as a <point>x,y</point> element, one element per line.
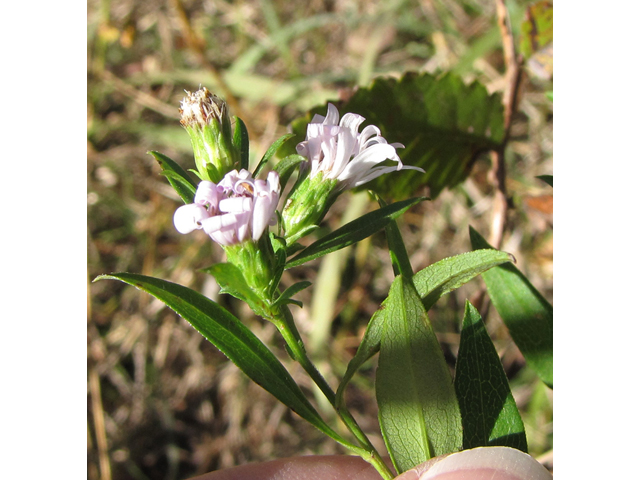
<point>163,403</point>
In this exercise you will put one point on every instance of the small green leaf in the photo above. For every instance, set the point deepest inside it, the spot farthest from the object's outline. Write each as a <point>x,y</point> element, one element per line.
<point>290,292</point>
<point>527,315</point>
<point>179,179</point>
<point>450,273</point>
<point>353,231</point>
<point>275,146</point>
<point>490,416</point>
<point>233,339</point>
<point>418,409</point>
<point>241,142</point>
<point>548,179</point>
<point>286,166</point>
<point>232,281</point>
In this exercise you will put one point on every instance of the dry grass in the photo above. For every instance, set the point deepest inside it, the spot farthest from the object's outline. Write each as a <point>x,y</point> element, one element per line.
<point>162,402</point>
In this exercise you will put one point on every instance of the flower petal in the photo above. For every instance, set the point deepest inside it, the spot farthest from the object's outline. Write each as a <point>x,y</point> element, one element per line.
<point>189,217</point>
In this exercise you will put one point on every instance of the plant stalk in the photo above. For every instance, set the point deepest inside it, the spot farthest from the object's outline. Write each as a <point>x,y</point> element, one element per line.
<point>286,326</point>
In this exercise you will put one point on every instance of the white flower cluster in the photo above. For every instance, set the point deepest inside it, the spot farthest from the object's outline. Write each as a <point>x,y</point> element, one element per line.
<point>239,207</point>
<point>336,149</point>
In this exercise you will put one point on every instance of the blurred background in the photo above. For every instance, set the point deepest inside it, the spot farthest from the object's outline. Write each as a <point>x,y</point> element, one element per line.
<point>163,403</point>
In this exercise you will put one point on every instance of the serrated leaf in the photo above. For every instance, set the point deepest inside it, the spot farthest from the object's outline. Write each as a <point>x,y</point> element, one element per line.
<point>232,281</point>
<point>450,273</point>
<point>443,123</point>
<point>275,146</point>
<point>490,415</point>
<point>353,231</point>
<point>525,312</point>
<point>240,141</point>
<point>418,410</point>
<point>178,178</point>
<point>290,292</point>
<point>233,339</point>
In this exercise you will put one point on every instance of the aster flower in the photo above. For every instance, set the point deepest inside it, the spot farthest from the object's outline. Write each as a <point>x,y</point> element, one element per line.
<point>339,158</point>
<point>236,209</point>
<point>336,149</point>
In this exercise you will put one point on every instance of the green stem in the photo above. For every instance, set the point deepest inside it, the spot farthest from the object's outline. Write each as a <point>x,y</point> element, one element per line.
<point>285,325</point>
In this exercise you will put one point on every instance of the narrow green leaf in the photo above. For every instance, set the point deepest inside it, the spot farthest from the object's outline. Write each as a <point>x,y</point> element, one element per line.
<point>275,146</point>
<point>353,231</point>
<point>232,281</point>
<point>290,292</point>
<point>233,339</point>
<point>490,416</point>
<point>431,283</point>
<point>286,166</point>
<point>179,179</point>
<point>418,409</point>
<point>241,142</point>
<point>450,273</point>
<point>527,315</point>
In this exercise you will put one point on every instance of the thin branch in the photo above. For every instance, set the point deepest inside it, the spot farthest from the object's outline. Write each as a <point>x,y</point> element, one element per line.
<point>512,80</point>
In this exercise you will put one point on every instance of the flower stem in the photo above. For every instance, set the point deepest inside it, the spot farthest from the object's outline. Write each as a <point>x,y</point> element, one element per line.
<point>286,326</point>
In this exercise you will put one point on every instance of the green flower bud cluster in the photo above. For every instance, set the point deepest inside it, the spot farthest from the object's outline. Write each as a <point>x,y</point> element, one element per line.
<point>206,119</point>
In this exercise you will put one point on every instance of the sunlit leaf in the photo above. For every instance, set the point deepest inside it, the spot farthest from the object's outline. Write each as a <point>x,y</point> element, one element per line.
<point>241,142</point>
<point>418,409</point>
<point>275,146</point>
<point>490,416</point>
<point>233,339</point>
<point>525,312</point>
<point>450,273</point>
<point>179,179</point>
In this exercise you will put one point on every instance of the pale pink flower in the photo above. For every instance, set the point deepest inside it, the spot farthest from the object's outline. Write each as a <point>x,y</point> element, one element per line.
<point>336,149</point>
<point>239,207</point>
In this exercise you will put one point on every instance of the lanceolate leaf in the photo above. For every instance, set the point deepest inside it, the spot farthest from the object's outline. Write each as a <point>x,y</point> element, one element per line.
<point>418,410</point>
<point>431,283</point>
<point>241,142</point>
<point>353,231</point>
<point>233,339</point>
<point>490,416</point>
<point>286,166</point>
<point>450,273</point>
<point>527,315</point>
<point>443,123</point>
<point>290,292</point>
<point>179,179</point>
<point>270,152</point>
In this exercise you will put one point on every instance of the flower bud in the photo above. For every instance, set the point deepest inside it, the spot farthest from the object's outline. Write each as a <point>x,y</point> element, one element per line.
<point>207,121</point>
